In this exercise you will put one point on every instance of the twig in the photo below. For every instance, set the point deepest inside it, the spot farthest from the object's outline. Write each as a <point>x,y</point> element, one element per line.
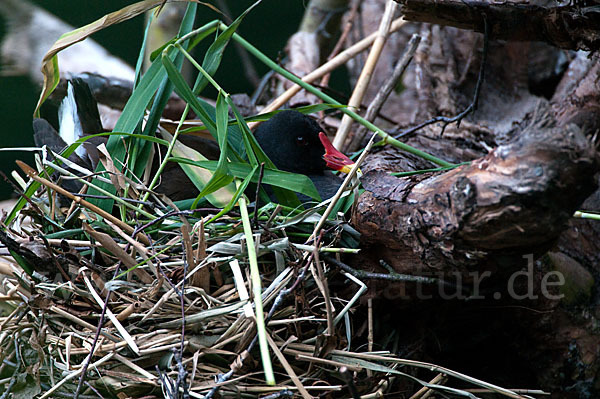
<point>288,368</point>
<point>54,260</point>
<point>182,374</point>
<point>91,388</point>
<point>88,359</point>
<point>392,276</point>
<point>342,39</point>
<point>31,173</point>
<point>133,201</point>
<point>386,90</point>
<point>340,190</point>
<point>336,62</point>
<point>74,374</point>
<point>365,76</point>
<point>285,393</point>
<point>369,329</point>
<point>18,190</point>
<point>174,213</point>
<point>324,288</point>
<point>471,108</point>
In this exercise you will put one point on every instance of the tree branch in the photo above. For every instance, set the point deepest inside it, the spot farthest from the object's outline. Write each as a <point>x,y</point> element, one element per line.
<point>568,27</point>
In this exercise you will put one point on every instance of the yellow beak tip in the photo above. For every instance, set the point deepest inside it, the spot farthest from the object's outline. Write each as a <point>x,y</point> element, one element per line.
<point>348,168</point>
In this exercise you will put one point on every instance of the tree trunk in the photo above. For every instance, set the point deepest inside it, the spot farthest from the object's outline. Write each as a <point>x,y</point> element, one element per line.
<point>533,162</point>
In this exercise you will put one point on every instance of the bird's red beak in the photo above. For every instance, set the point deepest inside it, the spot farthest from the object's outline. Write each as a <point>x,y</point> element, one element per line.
<point>335,159</point>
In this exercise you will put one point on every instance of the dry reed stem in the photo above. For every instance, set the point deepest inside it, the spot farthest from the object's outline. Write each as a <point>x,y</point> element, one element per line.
<point>385,90</point>
<point>319,276</point>
<point>74,375</point>
<point>340,191</point>
<point>130,341</point>
<point>32,174</point>
<point>288,368</point>
<point>216,327</point>
<point>109,243</point>
<point>365,76</point>
<point>328,67</point>
<point>318,360</point>
<point>420,394</point>
<point>83,323</point>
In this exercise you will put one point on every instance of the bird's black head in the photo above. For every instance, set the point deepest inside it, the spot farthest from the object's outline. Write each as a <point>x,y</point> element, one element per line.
<point>291,140</point>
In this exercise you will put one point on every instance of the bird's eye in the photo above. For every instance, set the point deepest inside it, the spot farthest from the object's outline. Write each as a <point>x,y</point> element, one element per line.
<point>301,141</point>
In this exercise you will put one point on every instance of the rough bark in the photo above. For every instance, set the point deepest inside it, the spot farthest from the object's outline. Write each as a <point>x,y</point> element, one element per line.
<point>510,202</point>
<point>527,133</point>
<point>531,143</point>
<point>569,27</point>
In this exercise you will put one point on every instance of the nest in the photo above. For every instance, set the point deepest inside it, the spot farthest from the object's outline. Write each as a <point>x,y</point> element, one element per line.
<point>200,303</point>
<point>176,314</point>
<point>91,309</point>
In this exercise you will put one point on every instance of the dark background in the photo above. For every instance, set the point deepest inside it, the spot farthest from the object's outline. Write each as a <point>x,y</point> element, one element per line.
<point>267,27</point>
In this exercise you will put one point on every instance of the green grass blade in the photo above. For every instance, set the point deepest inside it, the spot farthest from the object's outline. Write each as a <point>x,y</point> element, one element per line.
<point>238,193</point>
<point>257,294</point>
<point>222,112</point>
<point>221,176</point>
<point>313,90</point>
<point>256,155</point>
<point>22,262</point>
<point>141,151</point>
<point>129,121</point>
<point>274,177</point>
<point>152,88</point>
<point>217,180</point>
<point>204,111</point>
<point>184,91</point>
<point>200,176</point>
<point>214,54</point>
<point>140,60</point>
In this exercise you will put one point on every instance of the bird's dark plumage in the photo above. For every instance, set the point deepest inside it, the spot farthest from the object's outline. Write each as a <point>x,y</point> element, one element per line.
<point>290,139</point>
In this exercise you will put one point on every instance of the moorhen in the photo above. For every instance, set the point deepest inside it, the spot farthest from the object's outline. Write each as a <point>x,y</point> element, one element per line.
<point>295,143</point>
<point>292,140</point>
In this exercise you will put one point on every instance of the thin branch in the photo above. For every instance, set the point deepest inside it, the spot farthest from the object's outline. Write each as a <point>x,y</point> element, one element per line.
<point>329,66</point>
<point>88,359</point>
<point>472,106</point>
<point>365,76</point>
<point>386,90</point>
<point>565,26</point>
<point>391,276</point>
